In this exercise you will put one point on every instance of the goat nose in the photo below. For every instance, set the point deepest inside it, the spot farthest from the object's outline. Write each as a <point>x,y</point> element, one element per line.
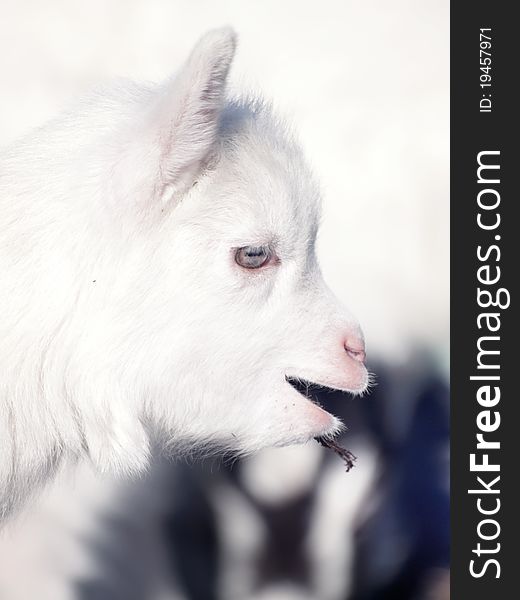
<point>355,348</point>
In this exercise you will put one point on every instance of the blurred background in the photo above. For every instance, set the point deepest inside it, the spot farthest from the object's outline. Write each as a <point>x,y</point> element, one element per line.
<point>366,85</point>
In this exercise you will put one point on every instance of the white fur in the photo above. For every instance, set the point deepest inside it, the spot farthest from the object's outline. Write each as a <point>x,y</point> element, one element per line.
<point>123,312</point>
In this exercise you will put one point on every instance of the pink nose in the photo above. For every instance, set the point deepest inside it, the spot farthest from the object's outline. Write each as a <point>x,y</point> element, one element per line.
<point>355,348</point>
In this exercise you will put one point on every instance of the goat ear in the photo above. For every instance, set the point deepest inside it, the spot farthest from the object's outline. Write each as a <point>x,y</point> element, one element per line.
<point>184,115</point>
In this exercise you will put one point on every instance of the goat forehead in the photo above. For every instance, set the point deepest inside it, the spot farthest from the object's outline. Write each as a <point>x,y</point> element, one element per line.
<point>273,189</point>
<point>262,205</point>
<point>261,152</point>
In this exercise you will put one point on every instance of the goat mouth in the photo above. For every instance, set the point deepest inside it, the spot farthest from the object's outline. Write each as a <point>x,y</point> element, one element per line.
<point>311,391</point>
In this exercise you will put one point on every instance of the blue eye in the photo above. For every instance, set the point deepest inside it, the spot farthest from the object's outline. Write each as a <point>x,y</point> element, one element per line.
<point>253,257</point>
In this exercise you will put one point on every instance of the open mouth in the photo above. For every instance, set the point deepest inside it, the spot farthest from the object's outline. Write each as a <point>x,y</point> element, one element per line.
<point>313,391</point>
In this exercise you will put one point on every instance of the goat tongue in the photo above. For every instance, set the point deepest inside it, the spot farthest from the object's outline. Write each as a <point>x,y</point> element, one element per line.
<point>346,455</point>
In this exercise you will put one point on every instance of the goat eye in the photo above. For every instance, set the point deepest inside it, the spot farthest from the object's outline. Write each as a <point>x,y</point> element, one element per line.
<point>253,257</point>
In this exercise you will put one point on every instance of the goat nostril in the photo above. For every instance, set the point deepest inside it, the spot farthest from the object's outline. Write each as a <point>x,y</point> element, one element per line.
<point>356,353</point>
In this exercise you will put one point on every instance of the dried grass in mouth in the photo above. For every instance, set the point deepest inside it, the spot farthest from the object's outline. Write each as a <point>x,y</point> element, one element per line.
<point>345,454</point>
